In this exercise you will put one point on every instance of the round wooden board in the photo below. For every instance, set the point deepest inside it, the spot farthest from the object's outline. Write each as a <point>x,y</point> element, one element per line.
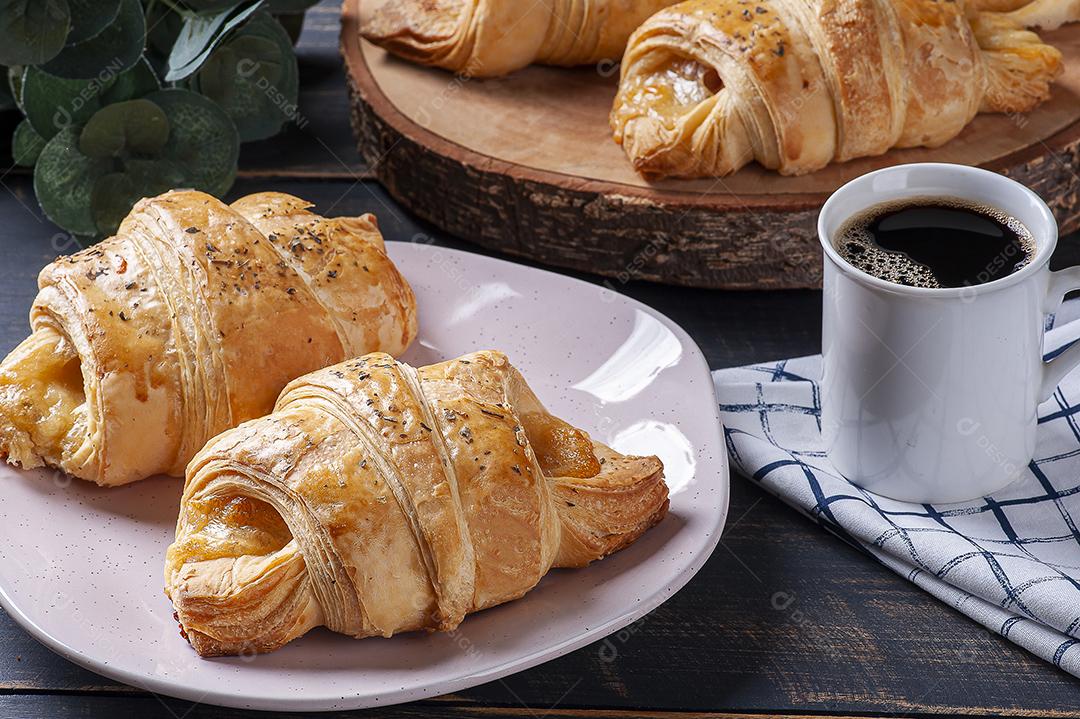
<point>525,164</point>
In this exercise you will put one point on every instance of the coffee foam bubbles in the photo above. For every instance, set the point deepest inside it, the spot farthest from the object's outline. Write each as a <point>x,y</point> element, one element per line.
<point>855,243</point>
<point>858,248</point>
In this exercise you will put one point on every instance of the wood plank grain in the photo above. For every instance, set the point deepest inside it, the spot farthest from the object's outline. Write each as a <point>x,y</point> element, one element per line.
<point>850,637</point>
<point>123,707</point>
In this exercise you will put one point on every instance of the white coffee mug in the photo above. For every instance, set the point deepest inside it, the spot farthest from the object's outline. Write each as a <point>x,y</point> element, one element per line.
<point>930,395</point>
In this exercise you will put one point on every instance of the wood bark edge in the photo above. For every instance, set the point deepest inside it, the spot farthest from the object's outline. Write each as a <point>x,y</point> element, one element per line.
<point>626,233</point>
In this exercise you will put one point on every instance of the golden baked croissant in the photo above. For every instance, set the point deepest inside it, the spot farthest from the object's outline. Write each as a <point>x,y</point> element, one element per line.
<point>188,321</point>
<point>709,85</point>
<point>379,498</point>
<point>487,38</point>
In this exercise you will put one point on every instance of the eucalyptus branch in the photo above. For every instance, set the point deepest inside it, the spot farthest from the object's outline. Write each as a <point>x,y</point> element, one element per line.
<point>117,106</point>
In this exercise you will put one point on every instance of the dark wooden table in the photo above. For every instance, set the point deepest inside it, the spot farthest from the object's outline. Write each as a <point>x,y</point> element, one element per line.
<point>852,638</point>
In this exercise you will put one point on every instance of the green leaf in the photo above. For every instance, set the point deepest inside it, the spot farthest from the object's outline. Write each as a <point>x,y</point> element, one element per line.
<point>52,103</point>
<point>134,127</point>
<point>64,180</point>
<point>199,36</point>
<point>111,198</point>
<point>26,145</point>
<point>32,31</point>
<point>156,174</point>
<point>132,83</point>
<point>114,194</point>
<point>254,77</point>
<point>14,77</point>
<point>89,17</point>
<point>202,139</point>
<point>110,52</point>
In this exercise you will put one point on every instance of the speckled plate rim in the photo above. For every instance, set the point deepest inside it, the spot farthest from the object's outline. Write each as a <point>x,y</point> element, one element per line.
<point>317,703</point>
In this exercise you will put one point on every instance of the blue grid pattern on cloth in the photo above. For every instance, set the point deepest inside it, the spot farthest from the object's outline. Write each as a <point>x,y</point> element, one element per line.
<point>1010,561</point>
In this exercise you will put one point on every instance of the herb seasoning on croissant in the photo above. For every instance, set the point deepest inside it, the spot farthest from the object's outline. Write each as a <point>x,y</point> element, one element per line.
<point>379,498</point>
<point>708,86</point>
<point>188,321</point>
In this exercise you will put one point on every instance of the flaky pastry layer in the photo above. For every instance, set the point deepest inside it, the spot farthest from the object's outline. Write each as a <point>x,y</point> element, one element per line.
<point>379,498</point>
<point>188,321</point>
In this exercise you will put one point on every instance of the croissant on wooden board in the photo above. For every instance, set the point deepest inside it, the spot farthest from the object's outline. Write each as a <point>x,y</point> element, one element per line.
<point>379,498</point>
<point>709,85</point>
<point>188,321</point>
<point>487,38</point>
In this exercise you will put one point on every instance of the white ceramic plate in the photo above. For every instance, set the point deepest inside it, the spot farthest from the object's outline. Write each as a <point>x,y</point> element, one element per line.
<point>81,567</point>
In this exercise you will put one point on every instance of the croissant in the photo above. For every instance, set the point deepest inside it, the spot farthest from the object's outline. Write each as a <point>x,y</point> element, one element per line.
<point>379,498</point>
<point>708,85</point>
<point>487,38</point>
<point>188,321</point>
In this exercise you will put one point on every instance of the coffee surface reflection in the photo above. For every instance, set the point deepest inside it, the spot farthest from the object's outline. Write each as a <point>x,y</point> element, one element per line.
<point>935,242</point>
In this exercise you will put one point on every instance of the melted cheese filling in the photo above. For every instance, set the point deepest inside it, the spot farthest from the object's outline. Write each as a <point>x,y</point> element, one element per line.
<point>42,401</point>
<point>671,90</point>
<point>231,527</point>
<point>239,527</point>
<point>561,449</point>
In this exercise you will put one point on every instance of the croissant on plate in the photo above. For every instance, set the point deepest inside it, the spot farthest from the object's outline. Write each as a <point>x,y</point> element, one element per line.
<point>487,38</point>
<point>188,321</point>
<point>709,85</point>
<point>380,498</point>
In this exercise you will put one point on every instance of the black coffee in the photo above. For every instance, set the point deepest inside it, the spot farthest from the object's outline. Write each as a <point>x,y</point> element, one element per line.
<point>935,242</point>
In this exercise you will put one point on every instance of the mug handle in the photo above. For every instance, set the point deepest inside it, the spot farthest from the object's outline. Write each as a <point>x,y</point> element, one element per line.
<point>1061,283</point>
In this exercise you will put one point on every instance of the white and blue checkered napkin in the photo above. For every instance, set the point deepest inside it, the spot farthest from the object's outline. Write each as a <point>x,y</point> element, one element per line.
<point>1010,561</point>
